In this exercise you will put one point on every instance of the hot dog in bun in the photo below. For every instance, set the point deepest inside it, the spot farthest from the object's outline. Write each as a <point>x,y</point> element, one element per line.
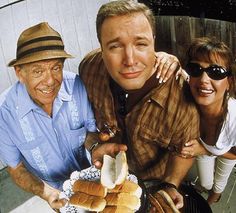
<point>163,202</point>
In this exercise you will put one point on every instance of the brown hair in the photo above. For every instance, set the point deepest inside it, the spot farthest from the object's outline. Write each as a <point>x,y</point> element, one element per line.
<point>209,49</point>
<point>122,7</point>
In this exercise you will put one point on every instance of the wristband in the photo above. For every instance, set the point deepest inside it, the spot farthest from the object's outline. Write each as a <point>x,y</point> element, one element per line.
<point>165,185</point>
<point>92,147</point>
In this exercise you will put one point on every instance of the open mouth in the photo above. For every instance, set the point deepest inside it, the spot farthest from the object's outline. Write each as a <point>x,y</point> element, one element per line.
<point>205,91</point>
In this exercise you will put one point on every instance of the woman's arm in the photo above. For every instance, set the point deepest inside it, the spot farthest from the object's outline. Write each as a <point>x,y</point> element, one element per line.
<point>231,154</point>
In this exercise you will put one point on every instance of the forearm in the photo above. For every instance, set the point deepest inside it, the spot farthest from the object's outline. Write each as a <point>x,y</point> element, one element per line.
<point>229,155</point>
<point>177,168</point>
<point>91,138</point>
<point>25,180</point>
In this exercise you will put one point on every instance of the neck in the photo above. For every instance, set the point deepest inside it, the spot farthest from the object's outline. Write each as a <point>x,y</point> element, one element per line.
<point>211,114</point>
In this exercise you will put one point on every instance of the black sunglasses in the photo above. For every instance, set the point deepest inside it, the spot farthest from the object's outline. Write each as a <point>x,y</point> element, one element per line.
<point>215,72</point>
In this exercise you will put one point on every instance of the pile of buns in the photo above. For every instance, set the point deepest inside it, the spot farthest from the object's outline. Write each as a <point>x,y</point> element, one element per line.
<point>113,193</point>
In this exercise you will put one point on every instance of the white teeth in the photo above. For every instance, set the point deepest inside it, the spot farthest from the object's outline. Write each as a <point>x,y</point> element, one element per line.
<point>46,91</point>
<point>206,91</point>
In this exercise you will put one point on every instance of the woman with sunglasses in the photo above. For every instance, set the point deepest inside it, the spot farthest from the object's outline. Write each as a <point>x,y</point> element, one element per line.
<point>211,86</point>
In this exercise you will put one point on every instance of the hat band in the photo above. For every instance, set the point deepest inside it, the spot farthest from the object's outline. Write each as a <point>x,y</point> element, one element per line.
<point>38,49</point>
<point>46,38</point>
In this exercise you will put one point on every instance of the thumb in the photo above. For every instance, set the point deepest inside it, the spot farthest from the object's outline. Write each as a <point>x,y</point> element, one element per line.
<point>59,203</point>
<point>98,164</point>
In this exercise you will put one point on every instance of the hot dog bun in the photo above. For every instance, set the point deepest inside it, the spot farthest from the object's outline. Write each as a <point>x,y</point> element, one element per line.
<point>123,199</point>
<point>87,202</point>
<point>114,170</point>
<point>127,187</point>
<point>163,202</point>
<point>117,209</point>
<point>168,200</point>
<point>90,188</point>
<point>156,204</point>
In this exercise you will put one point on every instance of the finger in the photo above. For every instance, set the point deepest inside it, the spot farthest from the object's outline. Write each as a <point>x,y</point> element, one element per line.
<point>111,149</point>
<point>185,152</point>
<point>189,143</point>
<point>58,203</point>
<point>162,68</point>
<point>170,71</point>
<point>179,202</point>
<point>167,67</point>
<point>178,73</point>
<point>186,149</point>
<point>98,164</point>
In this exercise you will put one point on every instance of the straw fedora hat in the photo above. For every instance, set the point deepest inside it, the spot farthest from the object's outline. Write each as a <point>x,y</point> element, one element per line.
<point>39,42</point>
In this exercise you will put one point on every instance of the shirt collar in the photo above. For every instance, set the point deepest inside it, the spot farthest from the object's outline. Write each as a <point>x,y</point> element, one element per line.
<point>151,90</point>
<point>26,104</point>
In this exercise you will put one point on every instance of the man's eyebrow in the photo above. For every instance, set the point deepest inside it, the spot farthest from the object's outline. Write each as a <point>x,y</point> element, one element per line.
<point>136,38</point>
<point>141,38</point>
<point>113,41</point>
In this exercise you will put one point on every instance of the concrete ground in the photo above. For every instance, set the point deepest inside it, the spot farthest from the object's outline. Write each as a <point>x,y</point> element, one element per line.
<point>14,200</point>
<point>227,203</point>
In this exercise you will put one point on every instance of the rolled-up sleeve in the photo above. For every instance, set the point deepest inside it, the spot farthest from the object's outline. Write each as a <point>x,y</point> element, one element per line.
<point>9,153</point>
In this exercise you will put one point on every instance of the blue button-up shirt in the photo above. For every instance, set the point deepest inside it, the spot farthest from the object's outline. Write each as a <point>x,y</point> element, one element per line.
<point>50,147</point>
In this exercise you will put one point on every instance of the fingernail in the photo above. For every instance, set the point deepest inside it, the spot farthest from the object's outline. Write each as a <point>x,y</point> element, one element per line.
<point>160,80</point>
<point>158,75</point>
<point>165,79</point>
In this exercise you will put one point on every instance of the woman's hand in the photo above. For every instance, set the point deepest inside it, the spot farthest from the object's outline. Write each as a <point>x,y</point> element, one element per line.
<point>166,65</point>
<point>193,148</point>
<point>111,149</point>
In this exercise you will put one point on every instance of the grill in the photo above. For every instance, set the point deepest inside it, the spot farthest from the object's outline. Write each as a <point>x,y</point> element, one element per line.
<point>193,201</point>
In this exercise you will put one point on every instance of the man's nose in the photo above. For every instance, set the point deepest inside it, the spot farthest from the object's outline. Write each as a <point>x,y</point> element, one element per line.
<point>49,78</point>
<point>129,56</point>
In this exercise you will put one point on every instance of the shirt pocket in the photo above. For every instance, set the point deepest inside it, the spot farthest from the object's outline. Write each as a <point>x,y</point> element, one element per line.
<point>77,138</point>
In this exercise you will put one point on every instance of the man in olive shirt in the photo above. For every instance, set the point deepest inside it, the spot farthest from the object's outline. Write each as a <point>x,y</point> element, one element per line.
<point>149,119</point>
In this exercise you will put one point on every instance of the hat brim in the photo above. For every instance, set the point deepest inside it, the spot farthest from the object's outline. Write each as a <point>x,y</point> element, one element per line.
<point>39,56</point>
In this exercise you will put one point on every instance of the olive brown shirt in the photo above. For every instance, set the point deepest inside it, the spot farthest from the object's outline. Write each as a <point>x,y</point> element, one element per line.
<point>161,121</point>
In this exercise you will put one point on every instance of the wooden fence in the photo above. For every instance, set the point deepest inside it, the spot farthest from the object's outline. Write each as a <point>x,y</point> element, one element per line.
<point>174,33</point>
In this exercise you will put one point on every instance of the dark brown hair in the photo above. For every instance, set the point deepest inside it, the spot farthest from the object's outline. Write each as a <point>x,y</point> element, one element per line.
<point>119,8</point>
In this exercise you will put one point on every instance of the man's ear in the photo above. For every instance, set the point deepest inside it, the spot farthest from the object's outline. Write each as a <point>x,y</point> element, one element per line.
<point>19,73</point>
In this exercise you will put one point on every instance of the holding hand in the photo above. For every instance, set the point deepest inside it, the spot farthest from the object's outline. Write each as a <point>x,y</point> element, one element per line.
<point>193,148</point>
<point>166,65</point>
<point>51,195</point>
<point>168,200</point>
<point>176,197</point>
<point>101,149</point>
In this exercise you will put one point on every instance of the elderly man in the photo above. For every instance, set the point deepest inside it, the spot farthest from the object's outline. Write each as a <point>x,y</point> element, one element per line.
<point>149,119</point>
<point>44,117</point>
